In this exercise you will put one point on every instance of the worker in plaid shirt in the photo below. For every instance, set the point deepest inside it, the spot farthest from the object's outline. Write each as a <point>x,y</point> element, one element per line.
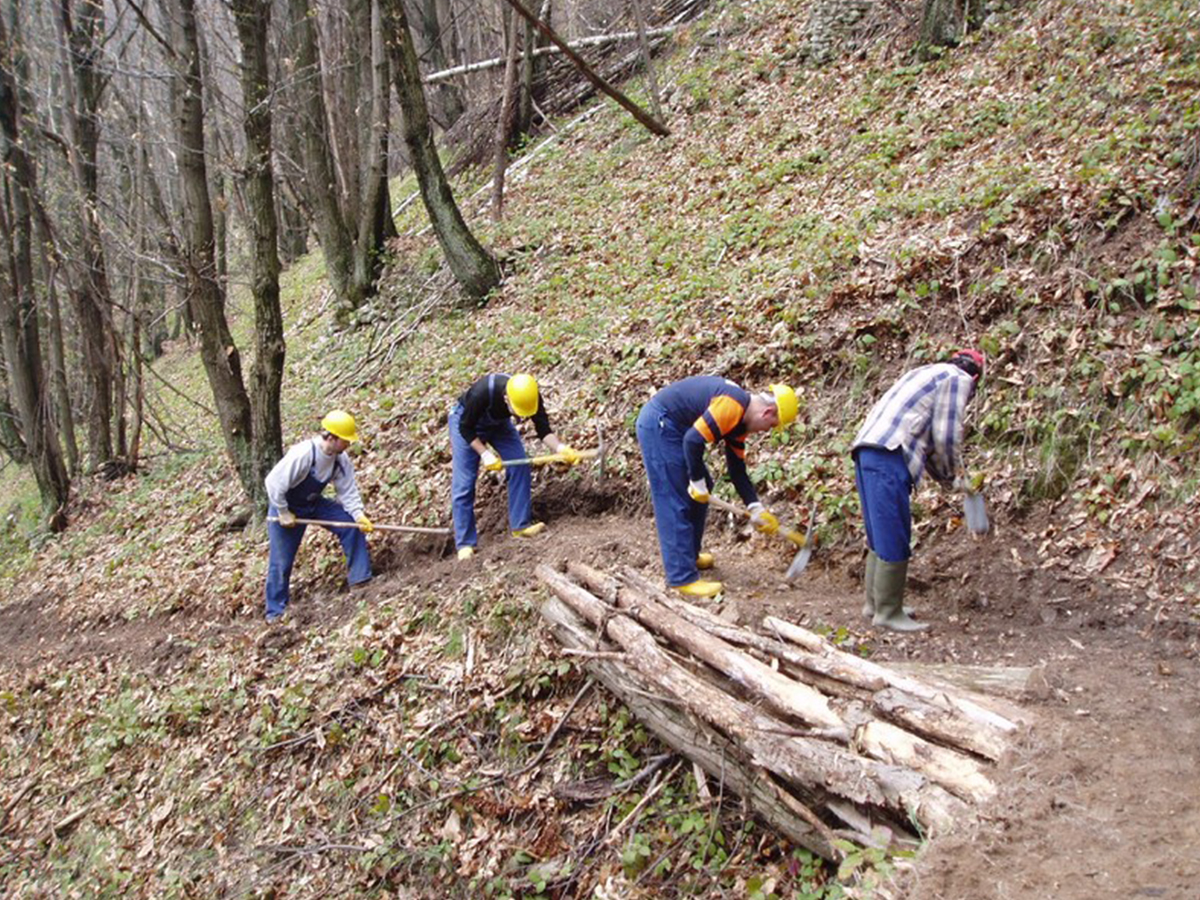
<point>917,426</point>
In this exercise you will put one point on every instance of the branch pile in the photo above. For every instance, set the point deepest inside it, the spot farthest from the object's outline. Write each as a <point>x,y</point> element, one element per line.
<point>823,745</point>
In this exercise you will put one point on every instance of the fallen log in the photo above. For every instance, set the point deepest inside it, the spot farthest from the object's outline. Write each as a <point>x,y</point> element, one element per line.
<point>591,41</point>
<point>815,767</point>
<point>780,692</point>
<point>930,712</point>
<point>865,672</point>
<point>712,751</point>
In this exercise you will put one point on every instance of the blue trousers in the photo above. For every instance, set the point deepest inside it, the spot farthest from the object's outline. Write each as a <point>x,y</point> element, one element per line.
<point>285,542</point>
<point>678,518</point>
<point>884,487</point>
<point>507,442</point>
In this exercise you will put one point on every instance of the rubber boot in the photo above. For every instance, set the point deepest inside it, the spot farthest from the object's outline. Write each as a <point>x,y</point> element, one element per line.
<point>530,530</point>
<point>700,588</point>
<point>705,560</point>
<point>889,598</point>
<point>466,552</point>
<point>869,584</point>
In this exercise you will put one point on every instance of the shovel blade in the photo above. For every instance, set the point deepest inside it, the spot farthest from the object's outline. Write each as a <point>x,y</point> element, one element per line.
<point>803,555</point>
<point>975,513</point>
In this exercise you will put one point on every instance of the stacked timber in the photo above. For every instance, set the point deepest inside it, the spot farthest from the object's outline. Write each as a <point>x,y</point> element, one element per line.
<point>823,744</point>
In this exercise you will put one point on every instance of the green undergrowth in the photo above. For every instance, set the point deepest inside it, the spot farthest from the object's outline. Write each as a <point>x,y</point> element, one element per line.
<point>1025,192</point>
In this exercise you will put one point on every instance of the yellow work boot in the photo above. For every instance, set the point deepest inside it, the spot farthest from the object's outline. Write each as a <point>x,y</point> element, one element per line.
<point>700,588</point>
<point>530,530</point>
<point>705,560</point>
<point>466,552</point>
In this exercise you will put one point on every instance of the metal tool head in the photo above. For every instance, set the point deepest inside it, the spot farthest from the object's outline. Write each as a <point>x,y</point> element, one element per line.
<point>804,554</point>
<point>975,512</point>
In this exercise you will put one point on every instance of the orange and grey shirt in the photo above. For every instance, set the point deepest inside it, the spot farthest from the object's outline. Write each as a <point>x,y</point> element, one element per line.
<point>706,409</point>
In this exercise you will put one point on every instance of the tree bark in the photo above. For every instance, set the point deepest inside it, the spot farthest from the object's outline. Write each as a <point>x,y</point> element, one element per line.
<point>647,62</point>
<point>784,694</point>
<point>504,124</point>
<point>448,99</point>
<point>18,312</point>
<point>539,52</point>
<point>651,123</point>
<point>84,86</point>
<point>820,769</point>
<point>715,753</point>
<point>944,23</point>
<point>266,375</point>
<point>320,177</point>
<point>206,296</point>
<point>374,206</point>
<point>473,267</point>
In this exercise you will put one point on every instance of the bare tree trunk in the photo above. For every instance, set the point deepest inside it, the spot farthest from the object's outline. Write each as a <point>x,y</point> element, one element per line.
<point>65,415</point>
<point>374,206</point>
<point>529,66</point>
<point>206,297</point>
<point>944,23</point>
<point>651,123</point>
<point>18,313</point>
<point>505,123</point>
<point>322,182</point>
<point>448,101</point>
<point>266,377</point>
<point>472,265</point>
<point>647,63</point>
<point>84,86</point>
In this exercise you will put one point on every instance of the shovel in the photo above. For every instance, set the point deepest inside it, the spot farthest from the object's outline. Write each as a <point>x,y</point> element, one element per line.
<point>802,541</point>
<point>408,529</point>
<point>975,512</point>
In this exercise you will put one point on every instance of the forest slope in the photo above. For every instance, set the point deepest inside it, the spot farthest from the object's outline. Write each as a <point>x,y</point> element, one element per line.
<point>1033,191</point>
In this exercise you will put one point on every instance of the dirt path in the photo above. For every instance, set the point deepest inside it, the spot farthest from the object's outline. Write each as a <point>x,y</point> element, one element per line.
<point>1100,801</point>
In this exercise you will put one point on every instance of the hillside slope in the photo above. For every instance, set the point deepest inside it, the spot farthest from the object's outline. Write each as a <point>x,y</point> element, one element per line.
<point>1033,191</point>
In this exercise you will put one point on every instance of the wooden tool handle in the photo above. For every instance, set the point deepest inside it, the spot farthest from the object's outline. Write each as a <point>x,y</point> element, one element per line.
<point>410,529</point>
<point>548,458</point>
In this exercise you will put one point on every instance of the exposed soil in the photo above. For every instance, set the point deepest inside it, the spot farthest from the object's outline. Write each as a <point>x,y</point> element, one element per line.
<point>1099,799</point>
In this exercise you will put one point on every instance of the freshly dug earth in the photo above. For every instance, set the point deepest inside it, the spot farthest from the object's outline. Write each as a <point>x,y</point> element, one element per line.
<point>1098,801</point>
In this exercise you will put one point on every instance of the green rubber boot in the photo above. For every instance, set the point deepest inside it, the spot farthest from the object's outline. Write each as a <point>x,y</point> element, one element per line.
<point>889,598</point>
<point>869,584</point>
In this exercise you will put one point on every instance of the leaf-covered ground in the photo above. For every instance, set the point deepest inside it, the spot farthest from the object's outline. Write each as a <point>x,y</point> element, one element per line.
<point>1033,191</point>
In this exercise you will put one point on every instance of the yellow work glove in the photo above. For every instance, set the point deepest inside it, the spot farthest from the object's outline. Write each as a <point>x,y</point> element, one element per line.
<point>491,461</point>
<point>287,518</point>
<point>364,523</point>
<point>763,519</point>
<point>569,454</point>
<point>698,490</point>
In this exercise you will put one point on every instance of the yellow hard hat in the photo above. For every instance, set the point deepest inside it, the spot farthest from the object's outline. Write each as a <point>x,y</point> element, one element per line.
<point>522,393</point>
<point>786,402</point>
<point>340,423</point>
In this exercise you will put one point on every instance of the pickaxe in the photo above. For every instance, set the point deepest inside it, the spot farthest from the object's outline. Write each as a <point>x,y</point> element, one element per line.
<point>802,541</point>
<point>410,529</point>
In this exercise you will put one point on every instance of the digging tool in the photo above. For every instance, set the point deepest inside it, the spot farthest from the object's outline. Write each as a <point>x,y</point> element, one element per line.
<point>599,454</point>
<point>974,509</point>
<point>408,529</point>
<point>975,512</point>
<point>802,541</point>
<point>804,554</point>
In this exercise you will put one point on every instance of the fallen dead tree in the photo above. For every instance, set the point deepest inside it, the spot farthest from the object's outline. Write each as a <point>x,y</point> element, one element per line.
<point>821,743</point>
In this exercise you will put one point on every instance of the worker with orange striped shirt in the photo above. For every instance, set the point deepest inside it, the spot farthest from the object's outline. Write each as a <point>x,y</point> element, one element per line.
<point>673,430</point>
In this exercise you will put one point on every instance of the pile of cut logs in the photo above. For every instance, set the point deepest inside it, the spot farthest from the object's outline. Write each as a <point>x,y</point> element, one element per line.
<point>824,745</point>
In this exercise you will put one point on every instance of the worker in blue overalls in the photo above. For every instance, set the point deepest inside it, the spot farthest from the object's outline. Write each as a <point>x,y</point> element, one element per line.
<point>294,489</point>
<point>482,416</point>
<point>673,430</point>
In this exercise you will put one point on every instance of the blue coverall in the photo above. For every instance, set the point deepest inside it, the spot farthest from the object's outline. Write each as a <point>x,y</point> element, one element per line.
<point>306,502</point>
